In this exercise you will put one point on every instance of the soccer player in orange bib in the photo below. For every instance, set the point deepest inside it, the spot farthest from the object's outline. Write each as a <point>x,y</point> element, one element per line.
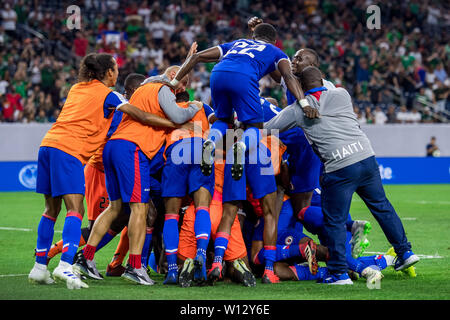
<point>183,159</point>
<point>79,131</point>
<point>126,159</point>
<point>96,195</point>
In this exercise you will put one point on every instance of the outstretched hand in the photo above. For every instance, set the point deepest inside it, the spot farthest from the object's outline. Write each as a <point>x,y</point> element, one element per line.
<point>192,49</point>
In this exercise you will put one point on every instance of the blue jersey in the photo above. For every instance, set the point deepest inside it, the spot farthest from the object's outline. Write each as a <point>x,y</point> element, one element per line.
<point>252,57</point>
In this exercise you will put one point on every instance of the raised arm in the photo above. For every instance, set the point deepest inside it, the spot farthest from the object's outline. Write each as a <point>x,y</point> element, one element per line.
<point>209,55</point>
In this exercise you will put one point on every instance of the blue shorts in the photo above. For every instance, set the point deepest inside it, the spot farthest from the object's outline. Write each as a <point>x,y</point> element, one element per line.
<point>182,173</point>
<point>304,166</point>
<point>231,91</point>
<point>127,172</point>
<point>59,173</point>
<point>259,176</point>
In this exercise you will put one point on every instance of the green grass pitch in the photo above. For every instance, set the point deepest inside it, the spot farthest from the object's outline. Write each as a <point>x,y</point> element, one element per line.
<point>424,209</point>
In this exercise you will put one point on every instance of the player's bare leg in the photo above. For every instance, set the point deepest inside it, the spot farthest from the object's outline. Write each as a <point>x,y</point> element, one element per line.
<point>136,233</point>
<point>300,200</point>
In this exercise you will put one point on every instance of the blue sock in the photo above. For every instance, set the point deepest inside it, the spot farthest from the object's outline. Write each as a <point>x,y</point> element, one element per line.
<point>171,238</point>
<point>220,246</point>
<point>71,236</point>
<point>270,253</point>
<point>218,131</point>
<point>202,229</point>
<point>44,238</point>
<point>364,262</point>
<point>282,253</point>
<point>303,273</point>
<point>106,239</point>
<point>147,247</point>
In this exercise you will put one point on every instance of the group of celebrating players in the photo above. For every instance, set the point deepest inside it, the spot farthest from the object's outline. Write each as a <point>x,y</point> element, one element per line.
<point>219,192</point>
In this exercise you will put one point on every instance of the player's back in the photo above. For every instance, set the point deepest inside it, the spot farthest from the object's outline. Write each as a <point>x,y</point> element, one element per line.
<point>149,139</point>
<point>252,57</point>
<point>83,122</point>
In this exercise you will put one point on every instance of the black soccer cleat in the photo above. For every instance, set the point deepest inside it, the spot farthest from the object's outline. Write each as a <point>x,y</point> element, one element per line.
<point>237,169</point>
<point>86,267</point>
<point>138,276</point>
<point>187,273</point>
<point>244,275</point>
<point>208,153</point>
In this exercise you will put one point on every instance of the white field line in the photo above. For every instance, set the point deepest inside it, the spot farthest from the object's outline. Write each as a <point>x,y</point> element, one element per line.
<point>421,256</point>
<point>26,274</point>
<point>22,229</point>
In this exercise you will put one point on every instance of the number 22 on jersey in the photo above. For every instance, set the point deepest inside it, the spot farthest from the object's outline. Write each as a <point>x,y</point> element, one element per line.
<point>245,48</point>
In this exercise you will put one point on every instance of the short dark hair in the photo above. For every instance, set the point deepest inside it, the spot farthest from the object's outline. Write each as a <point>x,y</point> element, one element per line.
<point>133,80</point>
<point>265,31</point>
<point>182,96</point>
<point>94,66</point>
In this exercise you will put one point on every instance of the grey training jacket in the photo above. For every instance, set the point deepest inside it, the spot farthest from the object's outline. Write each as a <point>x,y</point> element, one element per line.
<point>336,136</point>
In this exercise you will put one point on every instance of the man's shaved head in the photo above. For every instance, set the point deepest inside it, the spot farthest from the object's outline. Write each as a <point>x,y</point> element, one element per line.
<point>310,77</point>
<point>171,71</point>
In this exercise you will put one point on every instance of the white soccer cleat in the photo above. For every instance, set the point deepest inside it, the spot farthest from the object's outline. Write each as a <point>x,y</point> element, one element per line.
<point>373,276</point>
<point>65,272</point>
<point>40,274</point>
<point>359,242</point>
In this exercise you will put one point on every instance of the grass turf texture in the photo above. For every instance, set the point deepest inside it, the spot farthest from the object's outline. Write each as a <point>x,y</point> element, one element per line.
<point>424,209</point>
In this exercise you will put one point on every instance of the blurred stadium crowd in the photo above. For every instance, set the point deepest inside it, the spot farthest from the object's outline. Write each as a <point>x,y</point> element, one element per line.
<point>398,73</point>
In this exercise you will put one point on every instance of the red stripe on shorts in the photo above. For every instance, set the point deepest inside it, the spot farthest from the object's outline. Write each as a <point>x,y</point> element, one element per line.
<point>136,195</point>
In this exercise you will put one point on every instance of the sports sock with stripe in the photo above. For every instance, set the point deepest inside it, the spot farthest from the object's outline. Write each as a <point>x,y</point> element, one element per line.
<point>45,234</point>
<point>147,247</point>
<point>171,238</point>
<point>220,246</point>
<point>71,236</point>
<point>202,229</point>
